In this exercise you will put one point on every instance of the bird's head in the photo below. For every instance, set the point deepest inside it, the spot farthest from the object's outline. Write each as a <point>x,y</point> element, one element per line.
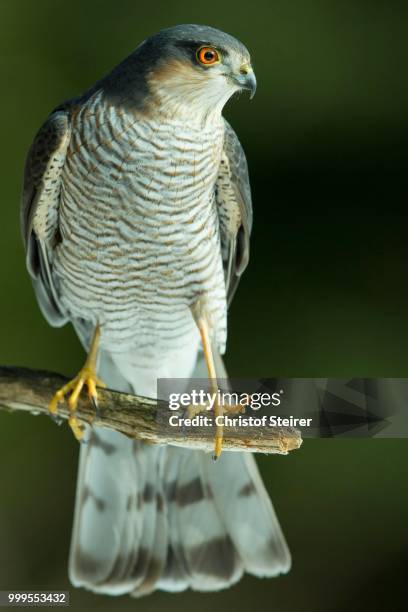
<point>192,70</point>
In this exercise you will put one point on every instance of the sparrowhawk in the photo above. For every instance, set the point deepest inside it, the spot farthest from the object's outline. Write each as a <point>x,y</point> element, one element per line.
<point>136,218</point>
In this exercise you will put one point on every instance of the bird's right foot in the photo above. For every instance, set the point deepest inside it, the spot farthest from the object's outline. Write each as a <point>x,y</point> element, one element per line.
<point>87,377</point>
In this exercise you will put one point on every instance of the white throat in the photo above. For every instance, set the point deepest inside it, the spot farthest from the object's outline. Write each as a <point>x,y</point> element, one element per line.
<point>187,96</point>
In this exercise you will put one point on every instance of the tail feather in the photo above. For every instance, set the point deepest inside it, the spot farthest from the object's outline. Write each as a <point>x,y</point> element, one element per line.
<point>160,517</point>
<point>104,534</point>
<point>145,564</point>
<point>251,520</point>
<point>201,540</point>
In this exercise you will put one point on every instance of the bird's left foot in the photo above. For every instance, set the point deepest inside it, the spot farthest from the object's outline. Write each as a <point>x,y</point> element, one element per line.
<point>218,443</point>
<point>194,410</point>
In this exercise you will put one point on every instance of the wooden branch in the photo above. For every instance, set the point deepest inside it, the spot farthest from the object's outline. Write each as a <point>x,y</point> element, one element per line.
<point>134,416</point>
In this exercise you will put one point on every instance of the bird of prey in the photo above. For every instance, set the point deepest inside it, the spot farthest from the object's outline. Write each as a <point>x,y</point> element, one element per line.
<point>136,218</point>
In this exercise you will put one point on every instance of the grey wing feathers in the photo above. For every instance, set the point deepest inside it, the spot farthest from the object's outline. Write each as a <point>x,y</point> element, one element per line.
<point>233,197</point>
<point>39,209</point>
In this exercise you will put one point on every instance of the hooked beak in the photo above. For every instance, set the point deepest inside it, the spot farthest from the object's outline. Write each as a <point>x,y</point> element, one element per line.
<point>246,79</point>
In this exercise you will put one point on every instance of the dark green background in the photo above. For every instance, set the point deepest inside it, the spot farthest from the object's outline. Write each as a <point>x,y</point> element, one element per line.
<point>325,294</point>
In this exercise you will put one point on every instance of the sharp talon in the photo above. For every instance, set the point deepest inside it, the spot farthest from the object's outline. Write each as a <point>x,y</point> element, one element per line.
<point>214,458</point>
<point>94,400</point>
<point>90,383</point>
<point>218,447</point>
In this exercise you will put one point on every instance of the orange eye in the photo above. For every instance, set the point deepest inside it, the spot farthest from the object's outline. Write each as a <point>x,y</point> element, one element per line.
<point>208,56</point>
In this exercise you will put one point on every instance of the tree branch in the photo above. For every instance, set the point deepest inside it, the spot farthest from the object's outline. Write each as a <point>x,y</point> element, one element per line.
<point>134,416</point>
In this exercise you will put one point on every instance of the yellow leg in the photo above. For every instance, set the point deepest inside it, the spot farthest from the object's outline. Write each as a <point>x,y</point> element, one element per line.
<point>87,376</point>
<point>203,327</point>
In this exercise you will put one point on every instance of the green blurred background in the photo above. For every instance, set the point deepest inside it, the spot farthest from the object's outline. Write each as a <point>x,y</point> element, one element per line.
<point>326,292</point>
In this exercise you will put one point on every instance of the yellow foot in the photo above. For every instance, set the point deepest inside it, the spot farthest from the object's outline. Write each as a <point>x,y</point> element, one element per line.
<point>219,430</point>
<point>217,446</point>
<point>86,377</point>
<point>221,410</point>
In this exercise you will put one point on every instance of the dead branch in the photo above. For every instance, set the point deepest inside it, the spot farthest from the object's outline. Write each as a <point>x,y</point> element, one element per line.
<point>134,416</point>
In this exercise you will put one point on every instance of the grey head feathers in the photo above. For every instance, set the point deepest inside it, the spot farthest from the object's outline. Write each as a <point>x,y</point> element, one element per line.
<point>127,83</point>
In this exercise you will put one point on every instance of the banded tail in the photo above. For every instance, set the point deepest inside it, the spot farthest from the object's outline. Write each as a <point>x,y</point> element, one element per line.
<point>160,517</point>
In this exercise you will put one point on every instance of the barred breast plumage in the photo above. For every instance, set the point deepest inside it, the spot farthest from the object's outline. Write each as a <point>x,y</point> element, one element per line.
<point>139,226</point>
